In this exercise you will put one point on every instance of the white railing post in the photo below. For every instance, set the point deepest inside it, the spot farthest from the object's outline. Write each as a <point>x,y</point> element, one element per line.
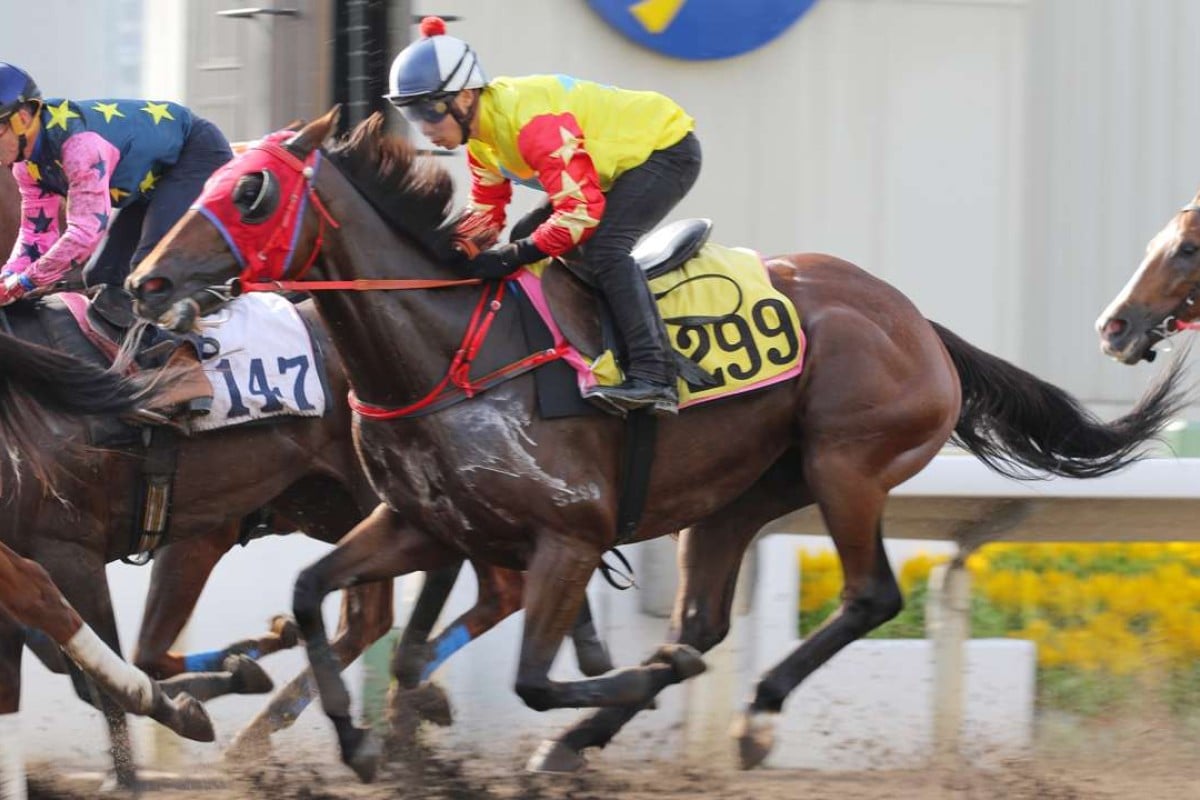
<point>948,625</point>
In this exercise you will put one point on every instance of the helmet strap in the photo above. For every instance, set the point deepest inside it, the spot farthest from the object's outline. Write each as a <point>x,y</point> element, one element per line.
<point>464,119</point>
<point>21,130</point>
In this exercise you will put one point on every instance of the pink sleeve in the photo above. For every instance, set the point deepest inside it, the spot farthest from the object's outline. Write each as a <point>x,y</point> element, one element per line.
<point>39,221</point>
<point>88,161</point>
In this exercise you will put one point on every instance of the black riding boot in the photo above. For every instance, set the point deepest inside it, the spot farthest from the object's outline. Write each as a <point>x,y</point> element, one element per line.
<point>650,371</point>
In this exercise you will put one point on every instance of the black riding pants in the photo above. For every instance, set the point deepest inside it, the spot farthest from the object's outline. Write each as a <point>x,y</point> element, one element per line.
<point>635,204</point>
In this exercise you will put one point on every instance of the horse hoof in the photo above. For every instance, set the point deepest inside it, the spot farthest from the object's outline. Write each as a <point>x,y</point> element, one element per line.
<point>754,739</point>
<point>553,756</point>
<point>193,721</point>
<point>684,659</point>
<point>432,704</point>
<point>285,627</point>
<point>366,758</point>
<point>247,676</point>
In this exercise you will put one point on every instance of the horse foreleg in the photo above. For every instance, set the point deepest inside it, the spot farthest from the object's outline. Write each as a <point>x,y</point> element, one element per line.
<point>414,651</point>
<point>590,651</point>
<point>417,657</point>
<point>382,546</point>
<point>555,590</point>
<point>180,572</point>
<point>12,759</point>
<point>40,604</point>
<point>709,556</point>
<point>81,575</point>
<point>366,616</point>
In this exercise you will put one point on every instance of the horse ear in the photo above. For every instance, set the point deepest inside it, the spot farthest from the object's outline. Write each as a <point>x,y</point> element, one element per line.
<point>314,133</point>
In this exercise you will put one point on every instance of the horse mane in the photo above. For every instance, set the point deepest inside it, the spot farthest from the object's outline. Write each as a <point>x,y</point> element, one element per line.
<point>411,192</point>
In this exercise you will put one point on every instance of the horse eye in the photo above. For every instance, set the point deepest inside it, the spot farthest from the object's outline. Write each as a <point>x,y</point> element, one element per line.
<point>256,196</point>
<point>1188,249</point>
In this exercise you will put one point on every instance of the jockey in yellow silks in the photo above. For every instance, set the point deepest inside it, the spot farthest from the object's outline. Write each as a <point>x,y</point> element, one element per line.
<point>612,162</point>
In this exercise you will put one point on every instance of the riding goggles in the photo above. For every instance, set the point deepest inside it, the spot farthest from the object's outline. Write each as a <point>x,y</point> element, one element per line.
<point>430,109</point>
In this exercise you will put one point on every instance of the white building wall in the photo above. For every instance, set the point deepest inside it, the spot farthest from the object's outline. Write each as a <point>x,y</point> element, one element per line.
<point>1112,155</point>
<point>885,132</point>
<point>76,48</point>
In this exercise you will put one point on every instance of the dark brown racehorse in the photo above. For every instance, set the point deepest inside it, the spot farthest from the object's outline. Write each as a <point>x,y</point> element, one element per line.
<point>321,489</point>
<point>882,391</point>
<point>1162,296</point>
<point>303,468</point>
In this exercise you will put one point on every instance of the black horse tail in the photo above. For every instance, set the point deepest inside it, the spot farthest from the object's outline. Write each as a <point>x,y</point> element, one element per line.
<point>1020,425</point>
<point>63,383</point>
<point>35,379</point>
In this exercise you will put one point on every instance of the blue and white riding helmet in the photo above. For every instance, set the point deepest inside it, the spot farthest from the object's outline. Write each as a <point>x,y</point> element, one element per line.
<point>434,66</point>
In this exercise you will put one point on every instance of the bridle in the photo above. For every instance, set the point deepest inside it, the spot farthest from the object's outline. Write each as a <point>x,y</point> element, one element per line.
<point>276,252</point>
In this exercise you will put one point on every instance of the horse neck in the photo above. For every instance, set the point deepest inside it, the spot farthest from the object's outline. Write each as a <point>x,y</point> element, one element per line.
<point>396,345</point>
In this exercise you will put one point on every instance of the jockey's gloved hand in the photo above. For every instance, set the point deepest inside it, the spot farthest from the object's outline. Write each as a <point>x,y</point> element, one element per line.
<point>14,286</point>
<point>502,261</point>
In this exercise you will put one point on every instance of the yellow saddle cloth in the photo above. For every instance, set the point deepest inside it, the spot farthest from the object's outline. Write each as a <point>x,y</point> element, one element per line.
<point>723,313</point>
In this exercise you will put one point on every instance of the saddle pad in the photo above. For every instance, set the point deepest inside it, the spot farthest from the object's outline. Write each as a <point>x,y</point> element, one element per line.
<point>721,311</point>
<point>264,365</point>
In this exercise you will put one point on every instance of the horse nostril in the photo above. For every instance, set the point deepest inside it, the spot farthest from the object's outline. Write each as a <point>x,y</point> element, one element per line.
<point>1115,327</point>
<point>152,288</point>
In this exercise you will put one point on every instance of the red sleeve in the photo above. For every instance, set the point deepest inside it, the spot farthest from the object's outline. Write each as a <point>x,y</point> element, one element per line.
<point>490,191</point>
<point>553,145</point>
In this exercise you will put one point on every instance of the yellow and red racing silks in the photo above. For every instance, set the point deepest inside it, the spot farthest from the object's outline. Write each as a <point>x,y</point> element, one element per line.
<point>570,138</point>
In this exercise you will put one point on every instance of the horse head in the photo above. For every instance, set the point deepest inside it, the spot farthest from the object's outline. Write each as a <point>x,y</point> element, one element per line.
<point>1160,298</point>
<point>258,219</point>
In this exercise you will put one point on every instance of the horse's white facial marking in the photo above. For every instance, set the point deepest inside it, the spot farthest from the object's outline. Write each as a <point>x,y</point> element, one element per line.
<point>1165,240</point>
<point>498,441</point>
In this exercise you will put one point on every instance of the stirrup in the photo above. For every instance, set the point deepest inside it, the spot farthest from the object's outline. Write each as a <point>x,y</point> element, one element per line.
<point>661,399</point>
<point>148,417</point>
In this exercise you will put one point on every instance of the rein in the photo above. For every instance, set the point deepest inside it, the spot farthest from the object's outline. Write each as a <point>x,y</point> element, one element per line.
<point>456,385</point>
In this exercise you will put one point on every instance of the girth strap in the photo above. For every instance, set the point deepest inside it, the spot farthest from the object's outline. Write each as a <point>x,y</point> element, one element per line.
<point>641,433</point>
<point>152,516</point>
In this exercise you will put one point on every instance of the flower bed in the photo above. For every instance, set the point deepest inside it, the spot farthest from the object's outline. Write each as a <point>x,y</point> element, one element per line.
<point>1111,621</point>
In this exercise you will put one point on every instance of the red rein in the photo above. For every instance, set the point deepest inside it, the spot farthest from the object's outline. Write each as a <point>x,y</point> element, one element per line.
<point>270,249</point>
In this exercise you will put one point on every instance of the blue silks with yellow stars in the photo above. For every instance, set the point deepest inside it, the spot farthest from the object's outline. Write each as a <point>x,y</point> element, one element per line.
<point>148,134</point>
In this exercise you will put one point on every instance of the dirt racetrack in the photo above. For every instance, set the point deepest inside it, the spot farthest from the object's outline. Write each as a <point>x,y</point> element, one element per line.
<point>1122,761</point>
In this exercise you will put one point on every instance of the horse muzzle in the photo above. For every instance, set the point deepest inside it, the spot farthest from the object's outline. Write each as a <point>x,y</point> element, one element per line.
<point>1129,339</point>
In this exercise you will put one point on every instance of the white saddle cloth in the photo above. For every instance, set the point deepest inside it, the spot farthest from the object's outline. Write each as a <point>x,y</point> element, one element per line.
<point>264,365</point>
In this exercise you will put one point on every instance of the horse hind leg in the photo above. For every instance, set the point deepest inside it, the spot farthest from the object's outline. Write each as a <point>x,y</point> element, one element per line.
<point>852,505</point>
<point>382,546</point>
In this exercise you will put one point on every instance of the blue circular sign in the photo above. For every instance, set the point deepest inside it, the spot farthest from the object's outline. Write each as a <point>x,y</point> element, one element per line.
<point>701,29</point>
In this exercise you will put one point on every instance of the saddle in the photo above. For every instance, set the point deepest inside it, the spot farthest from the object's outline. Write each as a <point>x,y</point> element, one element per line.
<point>581,312</point>
<point>105,321</point>
<point>69,323</point>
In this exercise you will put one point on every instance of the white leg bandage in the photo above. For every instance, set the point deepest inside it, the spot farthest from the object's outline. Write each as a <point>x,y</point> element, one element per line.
<point>110,671</point>
<point>12,760</point>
